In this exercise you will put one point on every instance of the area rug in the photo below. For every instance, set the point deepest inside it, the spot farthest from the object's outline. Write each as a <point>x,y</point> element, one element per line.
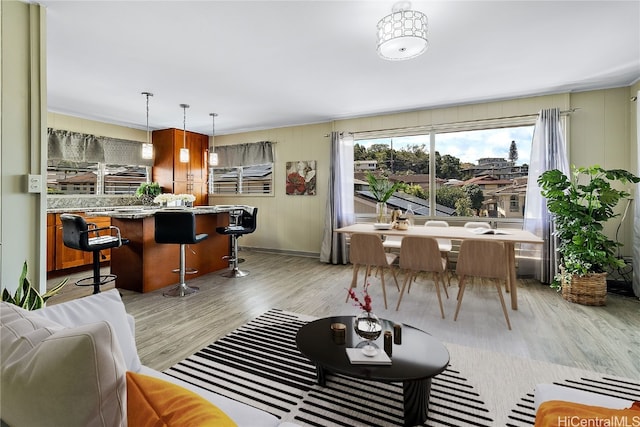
<point>259,364</point>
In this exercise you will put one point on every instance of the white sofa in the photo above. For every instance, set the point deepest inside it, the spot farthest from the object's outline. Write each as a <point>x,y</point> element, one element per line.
<point>65,365</point>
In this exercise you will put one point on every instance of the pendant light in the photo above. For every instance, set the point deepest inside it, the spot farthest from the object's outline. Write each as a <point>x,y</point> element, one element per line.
<point>147,147</point>
<point>213,156</point>
<point>184,151</point>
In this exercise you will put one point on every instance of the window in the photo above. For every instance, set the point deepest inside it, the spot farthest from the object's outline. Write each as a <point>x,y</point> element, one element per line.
<point>257,179</point>
<point>243,169</point>
<point>471,173</point>
<point>87,164</point>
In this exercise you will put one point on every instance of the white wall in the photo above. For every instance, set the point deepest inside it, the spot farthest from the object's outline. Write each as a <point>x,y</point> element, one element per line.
<point>22,214</point>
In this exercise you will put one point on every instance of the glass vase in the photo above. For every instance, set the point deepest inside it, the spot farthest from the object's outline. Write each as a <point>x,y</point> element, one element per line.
<point>367,325</point>
<point>381,212</point>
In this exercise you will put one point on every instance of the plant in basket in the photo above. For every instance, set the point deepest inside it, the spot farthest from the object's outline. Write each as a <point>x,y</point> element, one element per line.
<point>580,206</point>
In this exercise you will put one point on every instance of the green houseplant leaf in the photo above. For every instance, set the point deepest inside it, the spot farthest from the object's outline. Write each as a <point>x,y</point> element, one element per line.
<point>580,206</point>
<point>28,297</point>
<point>381,188</point>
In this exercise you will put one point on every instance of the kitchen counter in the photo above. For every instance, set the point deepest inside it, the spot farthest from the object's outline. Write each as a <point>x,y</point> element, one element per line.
<point>144,265</point>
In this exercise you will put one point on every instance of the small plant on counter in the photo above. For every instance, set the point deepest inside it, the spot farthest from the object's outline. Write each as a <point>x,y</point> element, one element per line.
<point>26,296</point>
<point>147,191</point>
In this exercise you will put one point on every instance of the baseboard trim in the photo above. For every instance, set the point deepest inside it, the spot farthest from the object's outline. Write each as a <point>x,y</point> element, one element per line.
<point>281,251</point>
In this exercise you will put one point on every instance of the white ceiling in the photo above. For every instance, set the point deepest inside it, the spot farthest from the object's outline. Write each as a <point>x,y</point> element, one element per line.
<point>266,64</point>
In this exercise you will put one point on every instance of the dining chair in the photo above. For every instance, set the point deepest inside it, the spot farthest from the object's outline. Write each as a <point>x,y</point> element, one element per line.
<point>367,250</point>
<point>476,224</point>
<point>422,254</point>
<point>482,258</point>
<point>443,244</point>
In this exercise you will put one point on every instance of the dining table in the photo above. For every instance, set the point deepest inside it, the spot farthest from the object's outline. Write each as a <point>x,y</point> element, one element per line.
<point>508,236</point>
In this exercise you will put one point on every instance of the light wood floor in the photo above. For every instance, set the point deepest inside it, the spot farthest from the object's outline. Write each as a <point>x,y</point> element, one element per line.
<point>545,327</point>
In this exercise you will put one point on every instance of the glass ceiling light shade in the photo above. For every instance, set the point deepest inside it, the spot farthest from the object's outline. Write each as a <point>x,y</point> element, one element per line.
<point>213,156</point>
<point>184,151</point>
<point>402,34</point>
<point>147,147</point>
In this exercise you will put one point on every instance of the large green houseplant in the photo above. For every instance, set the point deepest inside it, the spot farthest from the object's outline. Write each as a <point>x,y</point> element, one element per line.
<point>382,189</point>
<point>580,206</point>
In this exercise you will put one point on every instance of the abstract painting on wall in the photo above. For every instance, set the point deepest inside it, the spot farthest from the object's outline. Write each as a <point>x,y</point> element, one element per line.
<point>301,178</point>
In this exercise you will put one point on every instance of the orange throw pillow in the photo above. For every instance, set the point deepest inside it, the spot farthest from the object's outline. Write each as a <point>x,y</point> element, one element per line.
<point>152,402</point>
<point>557,413</point>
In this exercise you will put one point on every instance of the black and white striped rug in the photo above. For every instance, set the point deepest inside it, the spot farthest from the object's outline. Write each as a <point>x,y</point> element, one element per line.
<point>259,364</point>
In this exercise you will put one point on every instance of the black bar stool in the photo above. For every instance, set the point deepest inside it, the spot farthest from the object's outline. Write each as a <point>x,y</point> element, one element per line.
<point>85,236</point>
<point>178,227</point>
<point>245,224</point>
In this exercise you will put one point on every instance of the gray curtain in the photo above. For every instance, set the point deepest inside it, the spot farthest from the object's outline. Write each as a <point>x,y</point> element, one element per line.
<point>339,211</point>
<point>547,152</point>
<point>255,153</point>
<point>77,147</point>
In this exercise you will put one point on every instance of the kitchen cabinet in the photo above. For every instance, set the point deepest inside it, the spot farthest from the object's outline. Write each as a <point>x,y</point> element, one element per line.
<point>64,257</point>
<point>173,175</point>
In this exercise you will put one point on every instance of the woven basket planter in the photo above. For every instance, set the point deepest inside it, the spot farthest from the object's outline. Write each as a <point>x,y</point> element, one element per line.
<point>586,290</point>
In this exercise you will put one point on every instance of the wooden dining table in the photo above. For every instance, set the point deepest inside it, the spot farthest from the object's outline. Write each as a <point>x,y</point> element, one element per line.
<point>509,237</point>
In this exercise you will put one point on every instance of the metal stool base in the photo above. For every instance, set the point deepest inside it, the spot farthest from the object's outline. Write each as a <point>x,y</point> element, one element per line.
<point>181,290</point>
<point>234,272</point>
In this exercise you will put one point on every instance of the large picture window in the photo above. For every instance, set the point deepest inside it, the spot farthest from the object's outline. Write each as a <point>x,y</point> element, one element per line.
<point>455,172</point>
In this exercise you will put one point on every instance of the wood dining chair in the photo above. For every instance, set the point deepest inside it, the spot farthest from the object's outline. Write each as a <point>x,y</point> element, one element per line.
<point>444,245</point>
<point>476,224</point>
<point>367,250</point>
<point>422,254</point>
<point>482,258</point>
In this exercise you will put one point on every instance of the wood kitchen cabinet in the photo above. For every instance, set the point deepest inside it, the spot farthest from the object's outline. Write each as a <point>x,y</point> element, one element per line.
<point>177,177</point>
<point>64,257</point>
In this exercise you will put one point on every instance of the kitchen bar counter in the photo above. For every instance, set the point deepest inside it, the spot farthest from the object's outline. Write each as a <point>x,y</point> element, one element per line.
<point>144,265</point>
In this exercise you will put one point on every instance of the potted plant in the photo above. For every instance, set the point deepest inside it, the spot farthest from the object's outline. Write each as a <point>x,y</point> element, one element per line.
<point>26,296</point>
<point>147,191</point>
<point>580,206</point>
<point>382,190</point>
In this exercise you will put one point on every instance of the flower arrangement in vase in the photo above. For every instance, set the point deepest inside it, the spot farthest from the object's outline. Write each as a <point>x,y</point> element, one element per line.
<point>366,324</point>
<point>170,199</point>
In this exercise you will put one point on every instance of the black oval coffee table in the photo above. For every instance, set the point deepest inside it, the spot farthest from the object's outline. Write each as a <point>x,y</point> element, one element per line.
<point>414,362</point>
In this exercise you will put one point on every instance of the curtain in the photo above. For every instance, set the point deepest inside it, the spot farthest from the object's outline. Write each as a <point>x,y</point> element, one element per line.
<point>339,211</point>
<point>251,154</point>
<point>547,152</point>
<point>636,215</point>
<point>69,146</point>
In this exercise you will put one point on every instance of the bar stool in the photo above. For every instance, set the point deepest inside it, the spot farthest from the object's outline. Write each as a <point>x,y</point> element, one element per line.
<point>178,227</point>
<point>76,232</point>
<point>245,224</point>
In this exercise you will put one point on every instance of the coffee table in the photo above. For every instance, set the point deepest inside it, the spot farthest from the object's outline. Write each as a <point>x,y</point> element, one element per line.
<point>414,362</point>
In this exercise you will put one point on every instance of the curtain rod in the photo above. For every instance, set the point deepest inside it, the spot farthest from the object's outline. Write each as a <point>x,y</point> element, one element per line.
<point>425,127</point>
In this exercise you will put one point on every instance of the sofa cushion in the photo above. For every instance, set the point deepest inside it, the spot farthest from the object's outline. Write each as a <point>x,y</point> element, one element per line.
<point>153,402</point>
<point>56,376</point>
<point>98,307</point>
<point>558,413</point>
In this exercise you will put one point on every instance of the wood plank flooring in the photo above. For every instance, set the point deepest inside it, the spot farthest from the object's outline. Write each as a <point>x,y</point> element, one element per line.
<point>545,327</point>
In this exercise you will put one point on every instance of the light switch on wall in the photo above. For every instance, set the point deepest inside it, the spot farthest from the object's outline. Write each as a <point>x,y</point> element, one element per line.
<point>34,183</point>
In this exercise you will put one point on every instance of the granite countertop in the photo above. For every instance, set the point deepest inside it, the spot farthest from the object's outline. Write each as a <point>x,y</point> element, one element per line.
<point>132,212</point>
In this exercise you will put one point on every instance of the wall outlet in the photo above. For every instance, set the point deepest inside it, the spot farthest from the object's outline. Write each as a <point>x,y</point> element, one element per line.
<point>34,183</point>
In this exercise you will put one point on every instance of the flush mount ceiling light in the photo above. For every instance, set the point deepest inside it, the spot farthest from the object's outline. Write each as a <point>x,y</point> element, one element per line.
<point>147,147</point>
<point>184,151</point>
<point>213,156</point>
<point>402,34</point>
